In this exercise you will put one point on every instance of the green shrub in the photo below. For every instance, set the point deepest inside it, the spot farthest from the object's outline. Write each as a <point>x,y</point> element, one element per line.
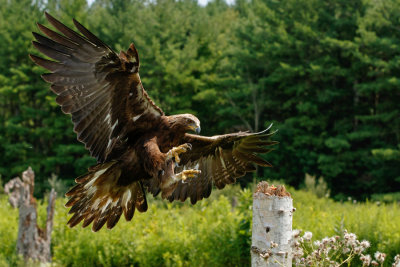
<point>387,198</point>
<point>316,186</point>
<point>8,232</point>
<point>211,233</point>
<point>177,235</point>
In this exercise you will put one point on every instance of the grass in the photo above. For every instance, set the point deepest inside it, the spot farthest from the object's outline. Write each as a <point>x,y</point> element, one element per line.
<point>379,224</point>
<point>211,233</point>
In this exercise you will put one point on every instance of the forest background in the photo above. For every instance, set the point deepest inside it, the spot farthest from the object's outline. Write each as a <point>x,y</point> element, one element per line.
<point>326,73</point>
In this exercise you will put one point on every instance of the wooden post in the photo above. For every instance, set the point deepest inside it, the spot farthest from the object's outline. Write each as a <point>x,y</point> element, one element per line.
<point>33,242</point>
<point>272,227</point>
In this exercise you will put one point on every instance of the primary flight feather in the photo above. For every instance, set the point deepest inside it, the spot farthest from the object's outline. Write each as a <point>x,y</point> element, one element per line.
<point>138,147</point>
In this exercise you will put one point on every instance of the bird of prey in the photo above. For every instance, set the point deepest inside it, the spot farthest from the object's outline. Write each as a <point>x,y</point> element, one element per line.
<point>138,148</point>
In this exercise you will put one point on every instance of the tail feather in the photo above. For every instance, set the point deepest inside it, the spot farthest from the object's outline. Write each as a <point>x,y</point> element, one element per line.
<point>99,199</point>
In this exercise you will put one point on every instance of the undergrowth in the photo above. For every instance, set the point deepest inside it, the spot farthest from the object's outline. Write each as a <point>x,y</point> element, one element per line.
<point>214,232</point>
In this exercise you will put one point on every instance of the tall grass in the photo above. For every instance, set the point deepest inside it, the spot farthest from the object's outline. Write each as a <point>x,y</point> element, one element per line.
<point>8,232</point>
<point>211,233</point>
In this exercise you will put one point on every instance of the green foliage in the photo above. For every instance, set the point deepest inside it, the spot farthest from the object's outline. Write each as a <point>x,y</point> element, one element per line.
<point>317,187</point>
<point>166,235</point>
<point>8,233</point>
<point>387,198</point>
<point>325,72</point>
<point>215,232</point>
<point>33,130</point>
<point>59,185</point>
<point>1,185</point>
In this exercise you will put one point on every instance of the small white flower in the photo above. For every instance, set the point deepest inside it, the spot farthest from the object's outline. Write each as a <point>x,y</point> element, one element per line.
<point>358,250</point>
<point>326,250</point>
<point>396,261</point>
<point>309,260</point>
<point>365,244</point>
<point>346,250</point>
<point>350,236</point>
<point>366,260</point>
<point>307,236</point>
<point>380,257</point>
<point>316,254</point>
<point>326,240</point>
<point>298,253</point>
<point>374,263</point>
<point>296,233</point>
<point>350,239</point>
<point>317,243</point>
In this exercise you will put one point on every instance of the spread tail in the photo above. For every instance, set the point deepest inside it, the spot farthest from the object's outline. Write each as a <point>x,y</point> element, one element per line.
<point>99,198</point>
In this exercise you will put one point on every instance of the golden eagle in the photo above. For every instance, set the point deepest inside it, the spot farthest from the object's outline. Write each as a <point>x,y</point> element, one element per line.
<point>138,148</point>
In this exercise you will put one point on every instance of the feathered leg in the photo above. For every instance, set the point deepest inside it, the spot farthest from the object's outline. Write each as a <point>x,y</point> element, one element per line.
<point>170,179</point>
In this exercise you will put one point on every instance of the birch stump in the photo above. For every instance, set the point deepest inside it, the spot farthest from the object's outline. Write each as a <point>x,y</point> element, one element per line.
<point>272,227</point>
<point>33,242</point>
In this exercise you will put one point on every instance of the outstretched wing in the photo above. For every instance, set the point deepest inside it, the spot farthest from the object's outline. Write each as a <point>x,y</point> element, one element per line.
<point>100,89</point>
<point>221,159</point>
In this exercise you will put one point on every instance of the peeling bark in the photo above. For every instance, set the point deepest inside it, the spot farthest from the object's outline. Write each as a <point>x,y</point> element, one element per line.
<point>272,227</point>
<point>33,242</point>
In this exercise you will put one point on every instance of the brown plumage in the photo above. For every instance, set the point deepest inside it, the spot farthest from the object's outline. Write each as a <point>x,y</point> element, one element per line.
<point>137,146</point>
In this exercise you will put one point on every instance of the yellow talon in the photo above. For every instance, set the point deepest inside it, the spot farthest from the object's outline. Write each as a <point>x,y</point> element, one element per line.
<point>175,151</point>
<point>185,174</point>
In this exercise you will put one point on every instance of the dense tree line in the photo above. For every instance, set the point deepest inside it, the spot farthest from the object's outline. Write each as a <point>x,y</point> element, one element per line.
<point>326,73</point>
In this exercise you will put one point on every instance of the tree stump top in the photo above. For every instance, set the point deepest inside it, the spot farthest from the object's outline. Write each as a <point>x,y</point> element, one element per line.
<point>280,190</point>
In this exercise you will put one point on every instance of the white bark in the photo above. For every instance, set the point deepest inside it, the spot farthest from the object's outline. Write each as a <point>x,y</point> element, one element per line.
<point>272,227</point>
<point>33,242</point>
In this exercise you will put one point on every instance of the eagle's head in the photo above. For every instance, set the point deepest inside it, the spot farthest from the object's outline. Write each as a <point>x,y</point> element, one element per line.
<point>185,123</point>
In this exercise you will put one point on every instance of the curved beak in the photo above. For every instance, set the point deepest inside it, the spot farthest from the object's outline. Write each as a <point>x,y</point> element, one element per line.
<point>198,130</point>
<point>195,128</point>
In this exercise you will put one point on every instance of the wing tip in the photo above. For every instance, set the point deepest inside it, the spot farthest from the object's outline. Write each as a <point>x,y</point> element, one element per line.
<point>48,16</point>
<point>42,28</point>
<point>35,44</point>
<point>33,58</point>
<point>267,129</point>
<point>77,24</point>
